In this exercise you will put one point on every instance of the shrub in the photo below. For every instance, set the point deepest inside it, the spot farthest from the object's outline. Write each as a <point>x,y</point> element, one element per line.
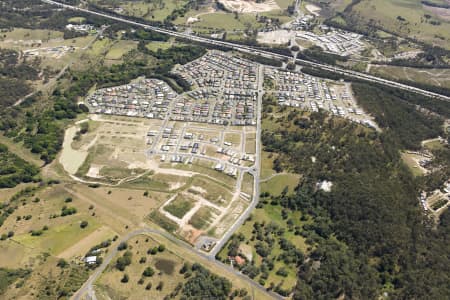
<point>62,263</point>
<point>148,272</point>
<point>122,246</point>
<point>84,224</point>
<point>125,278</point>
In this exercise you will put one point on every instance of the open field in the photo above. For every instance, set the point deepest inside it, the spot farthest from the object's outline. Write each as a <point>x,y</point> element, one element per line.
<point>46,226</point>
<point>247,184</point>
<point>267,165</point>
<point>412,161</point>
<point>437,77</point>
<point>279,182</point>
<point>120,48</point>
<point>226,21</point>
<point>385,12</point>
<point>22,34</point>
<point>151,11</point>
<point>57,239</point>
<point>154,46</point>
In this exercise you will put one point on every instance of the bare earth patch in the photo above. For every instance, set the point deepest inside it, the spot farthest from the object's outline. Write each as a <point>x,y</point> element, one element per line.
<point>443,13</point>
<point>249,6</point>
<point>315,10</point>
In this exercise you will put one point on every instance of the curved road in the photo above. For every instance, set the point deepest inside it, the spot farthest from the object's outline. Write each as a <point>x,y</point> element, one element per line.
<point>87,287</point>
<point>256,51</point>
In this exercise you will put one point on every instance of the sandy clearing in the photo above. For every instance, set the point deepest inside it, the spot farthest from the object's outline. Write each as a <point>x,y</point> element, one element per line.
<point>94,171</point>
<point>82,247</point>
<point>70,158</point>
<point>276,37</point>
<point>242,6</point>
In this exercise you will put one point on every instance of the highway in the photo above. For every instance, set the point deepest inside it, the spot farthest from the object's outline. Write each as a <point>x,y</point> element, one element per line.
<point>259,52</point>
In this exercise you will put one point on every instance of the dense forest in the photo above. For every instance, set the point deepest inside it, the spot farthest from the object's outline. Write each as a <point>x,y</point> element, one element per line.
<point>368,232</point>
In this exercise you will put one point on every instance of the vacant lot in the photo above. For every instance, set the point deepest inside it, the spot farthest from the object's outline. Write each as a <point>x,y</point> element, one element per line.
<point>211,190</point>
<point>203,217</point>
<point>179,206</point>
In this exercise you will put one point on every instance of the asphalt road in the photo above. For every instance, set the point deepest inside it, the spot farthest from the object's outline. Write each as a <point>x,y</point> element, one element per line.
<point>259,52</point>
<point>255,171</point>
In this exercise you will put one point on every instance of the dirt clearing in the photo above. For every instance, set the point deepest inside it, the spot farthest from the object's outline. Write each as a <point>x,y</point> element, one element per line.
<point>249,6</point>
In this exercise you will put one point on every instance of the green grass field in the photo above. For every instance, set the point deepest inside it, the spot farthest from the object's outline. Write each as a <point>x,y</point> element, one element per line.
<point>119,49</point>
<point>32,34</point>
<point>154,46</point>
<point>386,13</point>
<point>226,21</point>
<point>276,185</point>
<point>77,20</point>
<point>57,239</point>
<point>151,11</point>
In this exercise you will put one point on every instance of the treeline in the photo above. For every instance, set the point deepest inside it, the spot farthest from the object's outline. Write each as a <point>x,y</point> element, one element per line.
<point>204,285</point>
<point>435,4</point>
<point>146,35</point>
<point>316,53</point>
<point>15,170</point>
